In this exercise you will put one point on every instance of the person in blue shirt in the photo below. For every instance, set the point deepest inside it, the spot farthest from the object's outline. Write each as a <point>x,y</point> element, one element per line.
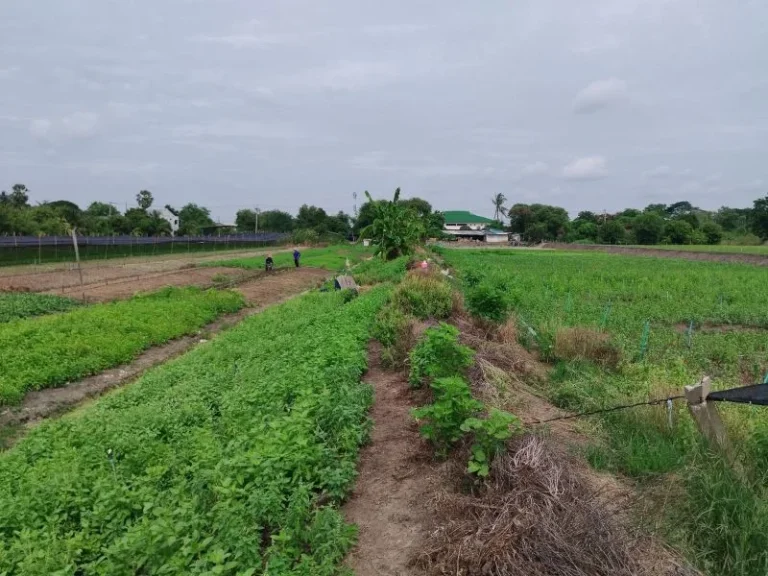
<point>296,256</point>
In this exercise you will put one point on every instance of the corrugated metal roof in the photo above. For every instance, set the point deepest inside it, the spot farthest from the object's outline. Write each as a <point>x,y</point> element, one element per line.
<point>464,217</point>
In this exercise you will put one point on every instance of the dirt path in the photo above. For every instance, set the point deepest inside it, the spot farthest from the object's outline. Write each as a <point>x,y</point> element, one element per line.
<point>96,273</point>
<point>396,481</point>
<point>260,294</point>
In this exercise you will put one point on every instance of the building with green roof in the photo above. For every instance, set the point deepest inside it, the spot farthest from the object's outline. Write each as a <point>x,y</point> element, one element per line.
<point>464,224</point>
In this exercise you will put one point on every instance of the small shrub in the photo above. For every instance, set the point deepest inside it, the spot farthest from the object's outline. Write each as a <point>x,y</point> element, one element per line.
<point>220,278</point>
<point>586,344</point>
<point>491,434</point>
<point>395,332</point>
<point>424,296</point>
<point>488,301</point>
<point>348,294</point>
<point>443,419</point>
<point>439,354</point>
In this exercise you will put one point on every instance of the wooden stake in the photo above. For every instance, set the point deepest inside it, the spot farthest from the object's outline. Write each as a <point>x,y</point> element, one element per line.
<point>708,420</point>
<point>77,259</point>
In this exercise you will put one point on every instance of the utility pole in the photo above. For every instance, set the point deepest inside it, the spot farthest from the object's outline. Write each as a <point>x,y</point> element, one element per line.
<point>256,220</point>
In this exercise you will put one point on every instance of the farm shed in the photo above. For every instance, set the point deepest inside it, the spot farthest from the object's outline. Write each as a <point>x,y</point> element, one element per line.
<point>496,236</point>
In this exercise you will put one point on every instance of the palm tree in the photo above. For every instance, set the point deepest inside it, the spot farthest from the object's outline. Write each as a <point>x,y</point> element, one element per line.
<point>498,204</point>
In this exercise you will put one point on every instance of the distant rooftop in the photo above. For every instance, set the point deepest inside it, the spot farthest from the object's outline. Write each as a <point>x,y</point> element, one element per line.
<point>464,217</point>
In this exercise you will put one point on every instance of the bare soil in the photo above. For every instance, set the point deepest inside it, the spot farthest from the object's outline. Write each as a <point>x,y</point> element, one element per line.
<point>60,277</point>
<point>397,479</point>
<point>126,287</point>
<point>260,293</point>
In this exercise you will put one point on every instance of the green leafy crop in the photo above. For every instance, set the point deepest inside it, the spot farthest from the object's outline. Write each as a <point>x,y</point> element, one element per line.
<point>438,354</point>
<point>490,435</point>
<point>227,460</point>
<point>443,419</point>
<point>15,305</point>
<point>53,350</point>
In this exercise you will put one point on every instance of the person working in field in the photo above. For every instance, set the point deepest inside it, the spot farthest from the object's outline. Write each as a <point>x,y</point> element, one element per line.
<point>296,256</point>
<point>269,263</point>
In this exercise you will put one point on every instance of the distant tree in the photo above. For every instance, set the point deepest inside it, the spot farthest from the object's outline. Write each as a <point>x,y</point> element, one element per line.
<point>365,216</point>
<point>691,217</point>
<point>19,197</point>
<point>275,221</point>
<point>101,210</point>
<point>660,209</point>
<point>523,218</point>
<point>759,218</point>
<point>679,209</point>
<point>67,210</point>
<point>536,232</point>
<point>498,206</point>
<point>612,232</point>
<point>713,232</point>
<point>587,216</point>
<point>678,232</point>
<point>648,228</point>
<point>245,220</point>
<point>311,217</point>
<point>144,199</point>
<point>733,219</point>
<point>192,219</point>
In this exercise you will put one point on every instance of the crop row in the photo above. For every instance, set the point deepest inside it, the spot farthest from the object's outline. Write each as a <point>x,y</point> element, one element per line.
<point>224,461</point>
<point>52,350</point>
<point>330,258</point>
<point>668,322</point>
<point>14,305</point>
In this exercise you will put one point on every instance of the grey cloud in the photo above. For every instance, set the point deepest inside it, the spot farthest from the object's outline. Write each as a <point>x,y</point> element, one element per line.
<point>235,103</point>
<point>587,168</point>
<point>599,94</point>
<point>535,168</point>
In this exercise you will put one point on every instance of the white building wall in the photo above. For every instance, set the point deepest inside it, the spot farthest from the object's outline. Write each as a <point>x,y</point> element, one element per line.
<point>172,219</point>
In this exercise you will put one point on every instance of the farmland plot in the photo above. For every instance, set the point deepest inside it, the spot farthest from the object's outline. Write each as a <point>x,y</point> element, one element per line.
<point>15,305</point>
<point>631,329</point>
<point>49,351</point>
<point>224,461</point>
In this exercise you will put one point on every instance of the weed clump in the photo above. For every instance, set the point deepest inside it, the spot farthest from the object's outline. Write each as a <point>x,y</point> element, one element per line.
<point>580,344</point>
<point>438,355</point>
<point>488,301</point>
<point>394,330</point>
<point>425,296</point>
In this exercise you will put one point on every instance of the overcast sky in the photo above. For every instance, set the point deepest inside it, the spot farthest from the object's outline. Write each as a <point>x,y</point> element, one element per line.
<point>586,104</point>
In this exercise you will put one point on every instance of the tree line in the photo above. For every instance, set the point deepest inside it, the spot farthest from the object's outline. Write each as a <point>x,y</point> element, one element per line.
<point>311,223</point>
<point>677,223</point>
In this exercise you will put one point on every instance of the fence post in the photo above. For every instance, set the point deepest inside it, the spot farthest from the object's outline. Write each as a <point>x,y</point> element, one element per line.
<point>77,259</point>
<point>708,420</point>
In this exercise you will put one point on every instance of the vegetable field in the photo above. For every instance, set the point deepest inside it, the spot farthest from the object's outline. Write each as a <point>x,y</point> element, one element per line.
<point>627,328</point>
<point>15,305</point>
<point>52,350</point>
<point>227,460</point>
<point>331,258</point>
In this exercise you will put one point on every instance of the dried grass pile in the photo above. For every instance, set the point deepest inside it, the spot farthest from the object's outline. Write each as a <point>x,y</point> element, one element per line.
<point>534,518</point>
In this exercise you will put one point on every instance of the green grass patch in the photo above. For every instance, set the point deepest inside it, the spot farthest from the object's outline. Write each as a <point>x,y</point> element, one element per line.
<point>618,296</point>
<point>377,270</point>
<point>331,258</point>
<point>14,305</point>
<point>52,350</point>
<point>229,460</point>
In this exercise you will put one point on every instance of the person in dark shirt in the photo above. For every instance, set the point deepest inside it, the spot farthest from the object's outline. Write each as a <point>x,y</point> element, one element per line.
<point>269,263</point>
<point>296,256</point>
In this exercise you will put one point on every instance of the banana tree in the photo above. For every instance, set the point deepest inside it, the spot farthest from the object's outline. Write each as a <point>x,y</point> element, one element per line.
<point>396,229</point>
